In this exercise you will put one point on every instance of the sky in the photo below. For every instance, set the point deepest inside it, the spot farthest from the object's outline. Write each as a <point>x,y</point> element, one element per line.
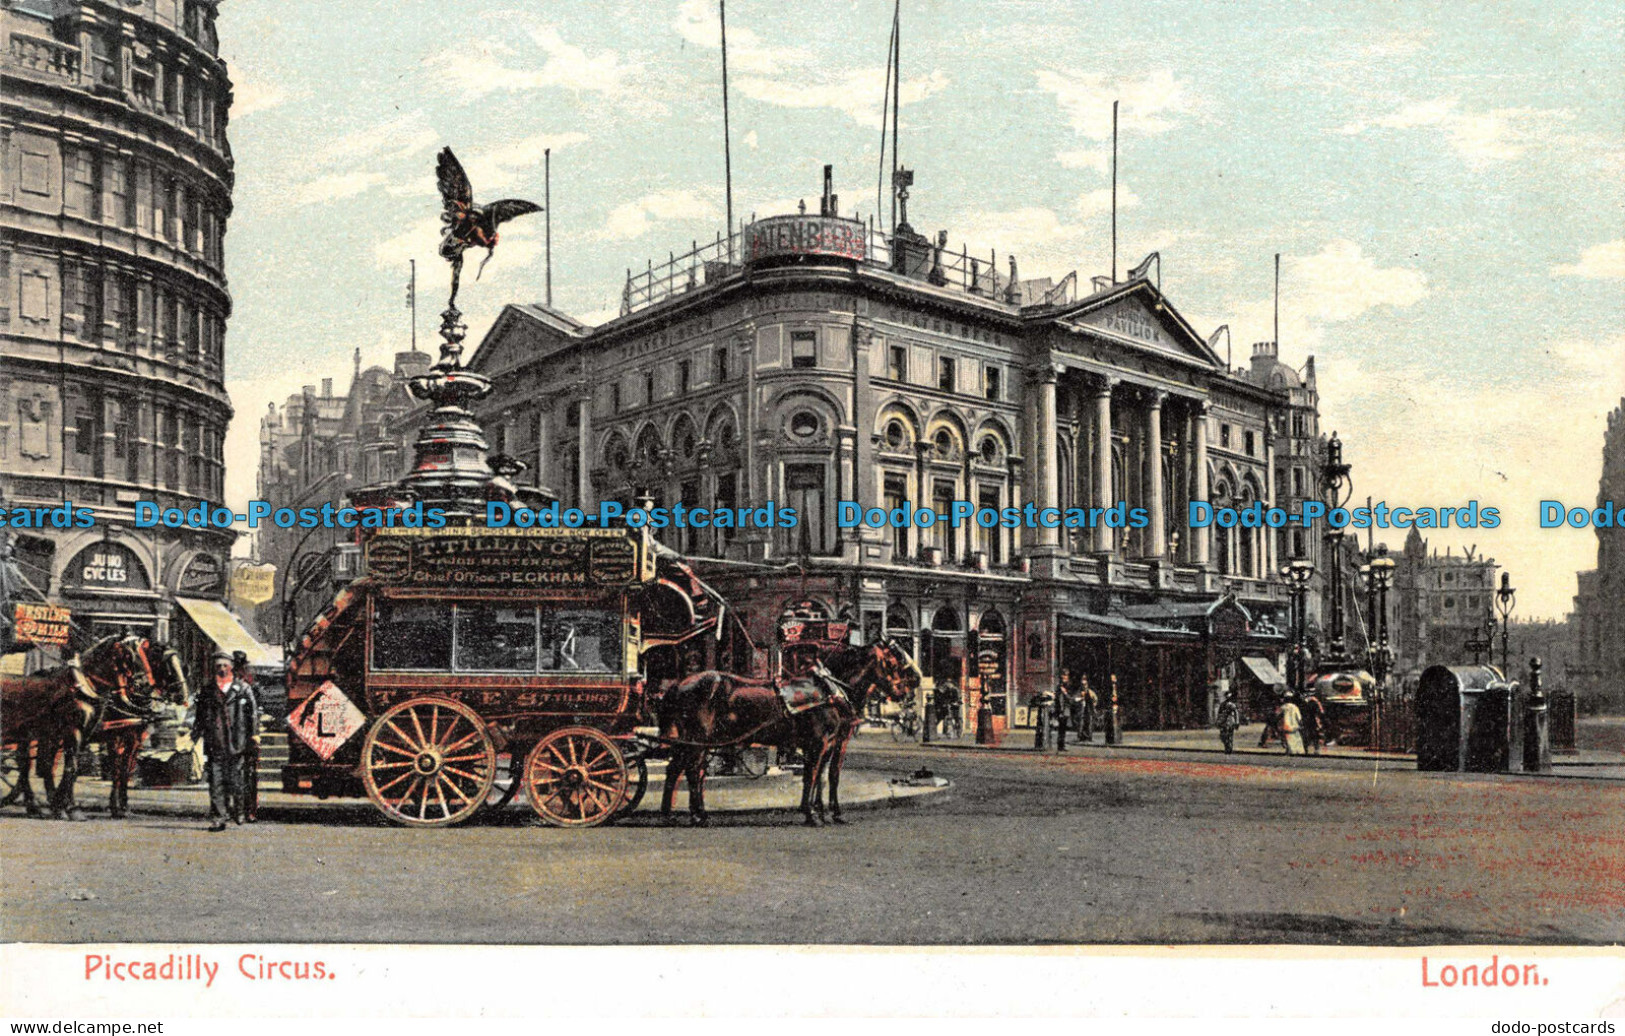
<point>1445,183</point>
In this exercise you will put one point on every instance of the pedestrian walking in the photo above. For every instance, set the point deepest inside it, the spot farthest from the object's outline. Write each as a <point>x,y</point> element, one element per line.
<point>1291,724</point>
<point>1229,720</point>
<point>1314,723</point>
<point>1272,723</point>
<point>947,700</point>
<point>245,709</point>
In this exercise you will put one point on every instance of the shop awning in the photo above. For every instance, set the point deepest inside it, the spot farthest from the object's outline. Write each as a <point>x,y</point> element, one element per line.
<point>222,627</point>
<point>1265,671</point>
<point>1121,626</point>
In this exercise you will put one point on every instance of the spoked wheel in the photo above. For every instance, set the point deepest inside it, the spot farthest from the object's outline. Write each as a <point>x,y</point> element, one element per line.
<point>576,777</point>
<point>637,783</point>
<point>8,773</point>
<point>428,762</point>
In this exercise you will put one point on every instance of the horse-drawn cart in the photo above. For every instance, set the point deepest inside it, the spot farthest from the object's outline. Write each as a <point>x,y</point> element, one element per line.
<point>465,644</point>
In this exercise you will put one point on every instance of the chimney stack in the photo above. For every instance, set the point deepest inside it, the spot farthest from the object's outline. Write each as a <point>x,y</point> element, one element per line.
<point>327,388</point>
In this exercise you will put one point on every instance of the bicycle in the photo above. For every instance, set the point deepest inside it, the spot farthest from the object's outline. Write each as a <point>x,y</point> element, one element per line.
<point>952,727</point>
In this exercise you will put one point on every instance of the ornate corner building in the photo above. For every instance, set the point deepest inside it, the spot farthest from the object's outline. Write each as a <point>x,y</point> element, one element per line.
<point>814,360</point>
<point>115,190</point>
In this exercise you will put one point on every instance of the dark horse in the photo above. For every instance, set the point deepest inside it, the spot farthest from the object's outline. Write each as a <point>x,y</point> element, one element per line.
<point>105,694</point>
<point>817,715</point>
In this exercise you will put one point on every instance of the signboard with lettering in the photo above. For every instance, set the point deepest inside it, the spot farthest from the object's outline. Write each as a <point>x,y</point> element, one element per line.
<point>1130,320</point>
<point>828,236</point>
<point>204,575</point>
<point>253,584</point>
<point>106,566</point>
<point>40,625</point>
<point>326,720</point>
<point>509,559</point>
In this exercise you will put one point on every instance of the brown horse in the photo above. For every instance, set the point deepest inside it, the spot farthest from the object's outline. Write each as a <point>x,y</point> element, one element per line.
<point>104,694</point>
<point>817,715</point>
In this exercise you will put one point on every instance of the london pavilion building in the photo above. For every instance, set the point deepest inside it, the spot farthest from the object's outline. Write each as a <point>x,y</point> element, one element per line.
<point>115,190</point>
<point>814,359</point>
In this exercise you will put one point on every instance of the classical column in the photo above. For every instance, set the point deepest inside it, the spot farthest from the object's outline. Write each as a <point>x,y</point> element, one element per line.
<point>584,498</point>
<point>1103,458</point>
<point>1269,535</point>
<point>1200,536</point>
<point>1157,541</point>
<point>1047,470</point>
<point>862,417</point>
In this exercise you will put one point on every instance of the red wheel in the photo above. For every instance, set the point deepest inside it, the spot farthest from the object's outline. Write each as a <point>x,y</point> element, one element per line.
<point>428,762</point>
<point>576,777</point>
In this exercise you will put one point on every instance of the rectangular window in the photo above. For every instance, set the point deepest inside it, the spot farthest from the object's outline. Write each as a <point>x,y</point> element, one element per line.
<point>993,538</point>
<point>164,214</point>
<point>942,501</point>
<point>804,484</point>
<point>688,536</point>
<point>86,434</point>
<point>945,374</point>
<point>493,639</point>
<point>683,370</point>
<point>1251,441</point>
<point>896,494</point>
<point>1297,481</point>
<point>118,182</point>
<point>993,386</point>
<point>727,500</point>
<point>124,298</point>
<point>90,303</point>
<point>899,363</point>
<point>648,387</point>
<point>803,349</point>
<point>720,366</point>
<point>411,635</point>
<point>1224,436</point>
<point>586,640</point>
<point>85,184</point>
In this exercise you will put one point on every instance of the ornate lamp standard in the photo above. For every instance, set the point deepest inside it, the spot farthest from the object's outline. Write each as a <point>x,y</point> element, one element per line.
<point>1484,640</point>
<point>1297,574</point>
<point>1506,599</point>
<point>1378,575</point>
<point>1337,488</point>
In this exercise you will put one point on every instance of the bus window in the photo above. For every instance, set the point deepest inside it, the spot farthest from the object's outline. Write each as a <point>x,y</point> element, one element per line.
<point>581,640</point>
<point>492,639</point>
<point>411,635</point>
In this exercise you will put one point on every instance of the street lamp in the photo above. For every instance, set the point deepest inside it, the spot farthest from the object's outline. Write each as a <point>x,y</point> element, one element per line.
<point>1337,488</point>
<point>1379,577</point>
<point>1297,574</point>
<point>1506,599</point>
<point>1484,639</point>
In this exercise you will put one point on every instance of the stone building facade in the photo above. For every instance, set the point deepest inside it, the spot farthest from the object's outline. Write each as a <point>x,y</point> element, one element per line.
<point>1597,672</point>
<point>115,191</point>
<point>817,361</point>
<point>1440,602</point>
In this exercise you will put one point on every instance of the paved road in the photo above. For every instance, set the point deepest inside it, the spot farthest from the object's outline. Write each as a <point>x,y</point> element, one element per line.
<point>1093,847</point>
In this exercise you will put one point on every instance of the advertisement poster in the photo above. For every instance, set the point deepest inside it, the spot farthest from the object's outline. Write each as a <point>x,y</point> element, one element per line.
<point>865,509</point>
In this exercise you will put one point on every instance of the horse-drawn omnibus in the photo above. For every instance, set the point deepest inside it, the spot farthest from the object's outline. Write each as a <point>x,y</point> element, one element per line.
<point>463,644</point>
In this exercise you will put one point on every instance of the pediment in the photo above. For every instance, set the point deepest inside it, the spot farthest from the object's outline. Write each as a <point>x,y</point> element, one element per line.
<point>523,334</point>
<point>1144,318</point>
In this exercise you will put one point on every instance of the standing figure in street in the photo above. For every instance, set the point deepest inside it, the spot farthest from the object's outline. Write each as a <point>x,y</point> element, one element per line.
<point>212,728</point>
<point>245,724</point>
<point>1229,720</point>
<point>947,709</point>
<point>1272,723</point>
<point>1314,723</point>
<point>1088,707</point>
<point>1291,723</point>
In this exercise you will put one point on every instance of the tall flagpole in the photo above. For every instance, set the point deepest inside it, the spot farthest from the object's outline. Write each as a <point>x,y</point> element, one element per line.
<point>885,113</point>
<point>1277,305</point>
<point>727,143</point>
<point>896,100</point>
<point>1114,192</point>
<point>412,303</point>
<point>547,207</point>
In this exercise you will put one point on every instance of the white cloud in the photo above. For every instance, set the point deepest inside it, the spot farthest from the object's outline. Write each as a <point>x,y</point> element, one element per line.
<point>480,68</point>
<point>751,140</point>
<point>1599,262</point>
<point>856,94</point>
<point>1048,243</point>
<point>1337,284</point>
<point>636,218</point>
<point>396,139</point>
<point>336,187</point>
<point>1155,103</point>
<point>698,23</point>
<point>1480,138</point>
<point>251,95</point>
<point>419,241</point>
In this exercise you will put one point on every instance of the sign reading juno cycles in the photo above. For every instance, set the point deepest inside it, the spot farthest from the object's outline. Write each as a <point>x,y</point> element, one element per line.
<point>479,558</point>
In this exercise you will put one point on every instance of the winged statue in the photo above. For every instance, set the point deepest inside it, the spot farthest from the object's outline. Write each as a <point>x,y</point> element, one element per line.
<point>467,224</point>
